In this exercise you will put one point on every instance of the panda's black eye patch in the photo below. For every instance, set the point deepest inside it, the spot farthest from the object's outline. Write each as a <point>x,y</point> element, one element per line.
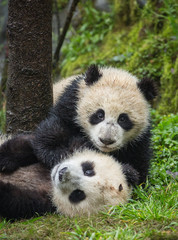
<point>125,122</point>
<point>97,117</point>
<point>77,196</point>
<point>88,168</point>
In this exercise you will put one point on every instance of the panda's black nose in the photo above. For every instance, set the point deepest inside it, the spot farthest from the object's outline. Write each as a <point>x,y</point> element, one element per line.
<point>61,173</point>
<point>107,141</point>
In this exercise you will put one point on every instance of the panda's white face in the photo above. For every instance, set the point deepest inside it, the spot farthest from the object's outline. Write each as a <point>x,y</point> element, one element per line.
<point>110,132</point>
<point>88,181</point>
<point>112,111</point>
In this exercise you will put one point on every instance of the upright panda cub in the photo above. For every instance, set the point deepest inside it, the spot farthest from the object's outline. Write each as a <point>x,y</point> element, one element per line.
<point>109,108</point>
<point>106,107</point>
<point>82,180</point>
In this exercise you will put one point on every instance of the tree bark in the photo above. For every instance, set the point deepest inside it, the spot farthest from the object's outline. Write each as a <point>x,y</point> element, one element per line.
<point>29,86</point>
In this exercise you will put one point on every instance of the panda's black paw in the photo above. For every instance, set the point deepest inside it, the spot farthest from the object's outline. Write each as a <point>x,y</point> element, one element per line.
<point>131,174</point>
<point>16,152</point>
<point>7,163</point>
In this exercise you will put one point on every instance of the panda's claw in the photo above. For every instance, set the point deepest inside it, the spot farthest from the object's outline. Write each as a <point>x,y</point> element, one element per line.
<point>3,169</point>
<point>7,165</point>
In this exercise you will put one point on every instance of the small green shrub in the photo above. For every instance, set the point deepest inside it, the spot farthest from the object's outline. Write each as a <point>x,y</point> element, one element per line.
<point>165,144</point>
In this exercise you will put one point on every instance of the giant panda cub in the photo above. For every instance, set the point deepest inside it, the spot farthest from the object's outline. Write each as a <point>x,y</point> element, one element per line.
<point>82,180</point>
<point>108,108</point>
<point>88,181</point>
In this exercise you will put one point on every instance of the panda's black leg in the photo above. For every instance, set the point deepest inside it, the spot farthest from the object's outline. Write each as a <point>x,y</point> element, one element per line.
<point>16,203</point>
<point>16,152</point>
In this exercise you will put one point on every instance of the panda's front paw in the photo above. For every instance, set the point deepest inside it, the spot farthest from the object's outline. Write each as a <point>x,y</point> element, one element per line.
<point>7,163</point>
<point>16,152</point>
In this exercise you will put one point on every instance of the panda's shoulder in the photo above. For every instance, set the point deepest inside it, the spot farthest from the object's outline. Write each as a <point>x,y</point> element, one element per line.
<point>66,88</point>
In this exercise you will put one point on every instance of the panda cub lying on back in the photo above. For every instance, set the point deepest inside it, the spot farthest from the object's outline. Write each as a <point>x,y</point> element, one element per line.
<point>88,181</point>
<point>82,183</point>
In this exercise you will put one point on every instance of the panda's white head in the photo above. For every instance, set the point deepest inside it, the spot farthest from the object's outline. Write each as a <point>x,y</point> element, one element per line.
<point>86,182</point>
<point>113,107</point>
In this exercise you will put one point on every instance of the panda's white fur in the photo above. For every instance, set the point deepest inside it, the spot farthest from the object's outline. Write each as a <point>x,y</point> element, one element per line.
<point>118,93</point>
<point>121,84</point>
<point>108,185</point>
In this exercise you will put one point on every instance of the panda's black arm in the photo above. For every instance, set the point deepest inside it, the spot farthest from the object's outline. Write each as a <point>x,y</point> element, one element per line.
<point>131,174</point>
<point>53,135</point>
<point>138,154</point>
<point>17,152</point>
<point>16,203</point>
<point>51,141</point>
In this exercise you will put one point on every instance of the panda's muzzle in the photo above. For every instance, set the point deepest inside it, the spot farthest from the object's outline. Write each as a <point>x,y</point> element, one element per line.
<point>107,134</point>
<point>107,141</point>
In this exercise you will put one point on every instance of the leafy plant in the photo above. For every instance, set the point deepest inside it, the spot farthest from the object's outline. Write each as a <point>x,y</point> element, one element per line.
<point>94,27</point>
<point>165,144</point>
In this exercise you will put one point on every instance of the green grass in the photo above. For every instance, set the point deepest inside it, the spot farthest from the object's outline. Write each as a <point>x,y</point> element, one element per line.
<point>151,214</point>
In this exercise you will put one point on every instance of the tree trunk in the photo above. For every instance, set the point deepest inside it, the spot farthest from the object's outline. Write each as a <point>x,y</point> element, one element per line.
<point>29,86</point>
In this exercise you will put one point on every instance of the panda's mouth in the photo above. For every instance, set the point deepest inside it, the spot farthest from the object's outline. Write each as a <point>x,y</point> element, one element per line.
<point>108,147</point>
<point>105,148</point>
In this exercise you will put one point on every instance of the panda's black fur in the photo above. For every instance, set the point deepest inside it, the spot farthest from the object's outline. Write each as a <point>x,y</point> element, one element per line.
<point>51,140</point>
<point>27,191</point>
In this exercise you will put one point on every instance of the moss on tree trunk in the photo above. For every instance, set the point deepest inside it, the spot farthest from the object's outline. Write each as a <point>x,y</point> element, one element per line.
<point>29,86</point>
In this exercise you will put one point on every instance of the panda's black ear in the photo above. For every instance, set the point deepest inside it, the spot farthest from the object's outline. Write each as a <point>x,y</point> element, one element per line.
<point>131,174</point>
<point>92,75</point>
<point>149,88</point>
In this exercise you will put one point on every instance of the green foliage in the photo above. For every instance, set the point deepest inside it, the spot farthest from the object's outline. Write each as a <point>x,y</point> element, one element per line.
<point>126,12</point>
<point>4,2</point>
<point>151,214</point>
<point>165,143</point>
<point>146,45</point>
<point>61,4</point>
<point>95,25</point>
